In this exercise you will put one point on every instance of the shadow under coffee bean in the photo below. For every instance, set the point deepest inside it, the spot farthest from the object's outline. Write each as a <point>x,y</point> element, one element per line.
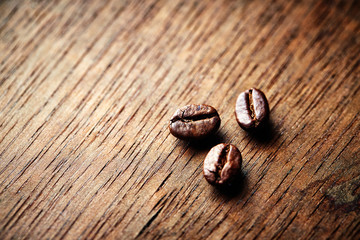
<point>238,188</point>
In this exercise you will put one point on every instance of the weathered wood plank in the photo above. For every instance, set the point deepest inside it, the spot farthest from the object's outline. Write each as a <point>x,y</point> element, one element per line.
<point>87,89</point>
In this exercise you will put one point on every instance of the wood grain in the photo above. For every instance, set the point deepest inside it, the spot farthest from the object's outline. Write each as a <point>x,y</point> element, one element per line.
<point>87,89</point>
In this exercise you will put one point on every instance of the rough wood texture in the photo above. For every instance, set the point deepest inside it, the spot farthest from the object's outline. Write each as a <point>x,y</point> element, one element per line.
<point>87,89</point>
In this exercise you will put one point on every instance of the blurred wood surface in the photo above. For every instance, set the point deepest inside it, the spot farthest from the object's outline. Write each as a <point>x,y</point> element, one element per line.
<point>87,89</point>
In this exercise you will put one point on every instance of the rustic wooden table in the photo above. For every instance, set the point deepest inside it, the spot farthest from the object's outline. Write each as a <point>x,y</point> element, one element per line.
<point>87,89</point>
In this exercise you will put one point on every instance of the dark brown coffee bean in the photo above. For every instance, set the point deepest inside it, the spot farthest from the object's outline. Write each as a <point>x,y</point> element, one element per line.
<point>252,109</point>
<point>194,122</point>
<point>222,165</point>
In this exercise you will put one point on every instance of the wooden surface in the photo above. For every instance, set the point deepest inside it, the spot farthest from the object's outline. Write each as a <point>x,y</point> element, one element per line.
<point>87,89</point>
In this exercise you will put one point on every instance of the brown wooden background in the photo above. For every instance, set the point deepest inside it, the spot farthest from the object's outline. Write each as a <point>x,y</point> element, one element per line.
<point>87,89</point>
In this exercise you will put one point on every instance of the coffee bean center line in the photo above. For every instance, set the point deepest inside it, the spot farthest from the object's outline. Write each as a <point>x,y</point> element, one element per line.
<point>222,161</point>
<point>251,105</point>
<point>195,117</point>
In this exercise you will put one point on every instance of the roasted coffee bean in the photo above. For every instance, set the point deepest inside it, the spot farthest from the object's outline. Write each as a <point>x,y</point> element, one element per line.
<point>194,122</point>
<point>252,109</point>
<point>222,165</point>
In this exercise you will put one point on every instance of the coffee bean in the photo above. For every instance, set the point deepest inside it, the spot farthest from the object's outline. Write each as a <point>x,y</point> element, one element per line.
<point>222,165</point>
<point>252,109</point>
<point>194,122</point>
